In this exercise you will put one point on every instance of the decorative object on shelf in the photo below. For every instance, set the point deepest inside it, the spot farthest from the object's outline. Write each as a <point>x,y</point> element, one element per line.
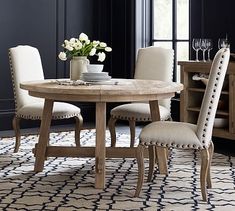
<point>204,48</point>
<point>204,79</point>
<point>203,45</point>
<point>196,44</point>
<point>223,42</point>
<point>209,44</point>
<point>75,48</point>
<point>201,77</point>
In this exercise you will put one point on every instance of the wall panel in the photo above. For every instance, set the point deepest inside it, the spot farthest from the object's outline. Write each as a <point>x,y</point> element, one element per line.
<point>43,24</point>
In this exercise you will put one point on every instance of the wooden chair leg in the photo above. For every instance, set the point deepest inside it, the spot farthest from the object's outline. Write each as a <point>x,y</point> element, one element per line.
<point>78,128</point>
<point>205,157</point>
<point>132,132</point>
<point>152,160</point>
<point>111,125</point>
<point>162,159</point>
<point>211,151</point>
<point>16,127</point>
<point>140,161</point>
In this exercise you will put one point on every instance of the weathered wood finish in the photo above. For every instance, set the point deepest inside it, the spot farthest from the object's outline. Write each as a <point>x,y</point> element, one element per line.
<point>112,131</point>
<point>126,90</point>
<point>205,160</point>
<point>16,127</point>
<point>100,144</point>
<point>140,161</point>
<point>78,128</point>
<point>132,132</point>
<point>43,135</point>
<point>152,156</point>
<point>193,92</point>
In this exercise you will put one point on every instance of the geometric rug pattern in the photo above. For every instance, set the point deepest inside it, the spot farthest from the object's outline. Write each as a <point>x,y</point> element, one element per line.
<point>67,184</point>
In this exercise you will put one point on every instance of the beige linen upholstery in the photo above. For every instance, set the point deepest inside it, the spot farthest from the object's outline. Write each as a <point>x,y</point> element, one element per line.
<point>138,111</point>
<point>60,111</point>
<point>26,65</point>
<point>153,63</point>
<point>185,135</point>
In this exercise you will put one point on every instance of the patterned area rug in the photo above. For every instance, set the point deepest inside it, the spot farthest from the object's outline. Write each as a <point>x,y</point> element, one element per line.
<point>68,183</point>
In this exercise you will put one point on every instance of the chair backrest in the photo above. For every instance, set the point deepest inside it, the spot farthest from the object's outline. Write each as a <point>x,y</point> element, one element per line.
<point>211,96</point>
<point>25,64</point>
<point>155,63</point>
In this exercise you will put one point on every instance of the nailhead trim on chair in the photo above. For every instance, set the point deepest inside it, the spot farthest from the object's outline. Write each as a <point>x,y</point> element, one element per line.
<point>156,143</point>
<point>153,143</point>
<point>210,107</point>
<point>16,105</point>
<point>53,117</point>
<point>138,119</point>
<point>13,81</point>
<point>131,118</point>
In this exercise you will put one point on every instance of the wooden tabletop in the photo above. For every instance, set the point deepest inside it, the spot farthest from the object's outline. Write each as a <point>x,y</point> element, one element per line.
<point>125,90</point>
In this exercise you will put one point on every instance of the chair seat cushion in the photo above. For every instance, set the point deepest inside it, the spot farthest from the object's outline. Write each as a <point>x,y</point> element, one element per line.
<point>138,112</point>
<point>60,111</point>
<point>170,134</point>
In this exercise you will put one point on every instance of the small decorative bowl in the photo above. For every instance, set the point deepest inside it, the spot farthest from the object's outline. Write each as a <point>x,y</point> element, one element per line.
<point>95,68</point>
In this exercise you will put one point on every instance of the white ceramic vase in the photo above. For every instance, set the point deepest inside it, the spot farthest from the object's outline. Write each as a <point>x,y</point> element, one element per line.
<point>78,65</point>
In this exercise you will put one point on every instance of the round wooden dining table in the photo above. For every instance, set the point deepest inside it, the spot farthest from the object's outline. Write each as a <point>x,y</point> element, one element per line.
<point>119,90</point>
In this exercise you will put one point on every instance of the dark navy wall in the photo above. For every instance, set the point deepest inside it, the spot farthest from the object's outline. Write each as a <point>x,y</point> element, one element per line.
<point>43,24</point>
<point>213,19</point>
<point>46,23</point>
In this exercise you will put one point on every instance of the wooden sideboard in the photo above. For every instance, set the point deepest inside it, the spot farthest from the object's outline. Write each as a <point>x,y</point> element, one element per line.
<point>191,97</point>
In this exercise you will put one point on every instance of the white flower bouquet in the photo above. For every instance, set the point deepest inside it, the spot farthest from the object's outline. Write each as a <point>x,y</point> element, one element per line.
<point>82,46</point>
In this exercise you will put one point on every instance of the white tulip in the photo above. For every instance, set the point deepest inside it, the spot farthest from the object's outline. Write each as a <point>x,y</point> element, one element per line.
<point>93,51</point>
<point>101,56</point>
<point>73,44</point>
<point>62,56</point>
<point>95,43</point>
<point>72,40</point>
<point>66,42</point>
<point>83,37</point>
<point>103,44</point>
<point>88,42</point>
<point>68,47</point>
<point>108,49</point>
<point>78,45</point>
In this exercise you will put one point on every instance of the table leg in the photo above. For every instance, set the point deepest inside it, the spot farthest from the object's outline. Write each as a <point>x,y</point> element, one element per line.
<point>40,153</point>
<point>100,145</point>
<point>154,109</point>
<point>161,153</point>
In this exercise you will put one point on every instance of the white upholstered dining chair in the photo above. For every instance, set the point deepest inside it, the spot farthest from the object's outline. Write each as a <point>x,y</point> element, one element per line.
<point>169,134</point>
<point>153,63</point>
<point>26,65</point>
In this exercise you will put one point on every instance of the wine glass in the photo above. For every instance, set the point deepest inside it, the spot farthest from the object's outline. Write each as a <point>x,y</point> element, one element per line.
<point>209,48</point>
<point>196,44</point>
<point>203,47</point>
<point>223,43</point>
